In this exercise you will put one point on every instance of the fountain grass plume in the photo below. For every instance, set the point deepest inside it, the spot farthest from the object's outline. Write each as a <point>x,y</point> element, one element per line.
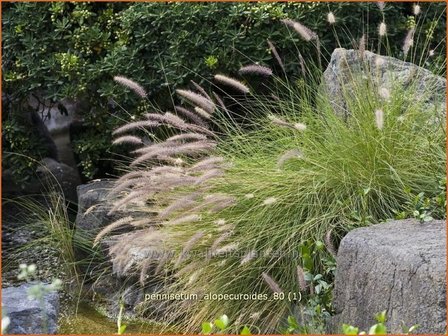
<point>276,55</point>
<point>233,83</point>
<point>190,115</point>
<point>303,31</point>
<point>201,112</point>
<point>271,283</point>
<point>197,99</point>
<point>128,139</point>
<point>143,124</point>
<point>408,41</point>
<point>188,246</point>
<point>201,90</point>
<point>255,69</point>
<point>113,226</point>
<point>129,83</point>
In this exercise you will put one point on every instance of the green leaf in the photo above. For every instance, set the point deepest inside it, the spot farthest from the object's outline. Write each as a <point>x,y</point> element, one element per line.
<point>222,322</point>
<point>349,330</point>
<point>378,329</point>
<point>245,331</point>
<point>381,317</point>
<point>122,329</point>
<point>413,328</point>
<point>207,328</point>
<point>292,322</point>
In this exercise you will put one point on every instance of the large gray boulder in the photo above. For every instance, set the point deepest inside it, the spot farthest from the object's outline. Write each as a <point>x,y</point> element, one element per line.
<point>93,206</point>
<point>398,266</point>
<point>30,316</point>
<point>347,71</point>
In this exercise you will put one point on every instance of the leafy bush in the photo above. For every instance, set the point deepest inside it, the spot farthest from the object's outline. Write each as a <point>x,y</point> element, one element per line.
<point>74,49</point>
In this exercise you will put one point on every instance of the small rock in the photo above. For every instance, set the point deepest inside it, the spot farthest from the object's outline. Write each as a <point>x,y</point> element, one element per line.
<point>29,316</point>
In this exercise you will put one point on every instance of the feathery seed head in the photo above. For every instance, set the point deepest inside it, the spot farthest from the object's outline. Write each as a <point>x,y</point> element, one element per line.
<point>188,246</point>
<point>255,69</point>
<point>137,88</point>
<point>379,61</point>
<point>203,113</point>
<point>220,102</point>
<point>271,283</point>
<point>290,154</point>
<point>220,221</point>
<point>233,83</point>
<point>277,121</point>
<point>276,55</point>
<point>329,244</point>
<point>381,5</point>
<point>331,18</point>
<point>226,249</point>
<point>111,227</point>
<point>304,32</point>
<point>248,257</point>
<point>379,119</point>
<point>130,139</point>
<point>362,45</point>
<point>201,90</point>
<point>190,115</point>
<point>384,93</point>
<point>417,9</point>
<point>219,240</point>
<point>408,41</point>
<point>269,201</point>
<point>197,99</point>
<point>382,29</point>
<point>300,126</point>
<point>185,219</point>
<point>249,196</point>
<point>187,136</point>
<point>301,279</point>
<point>136,125</point>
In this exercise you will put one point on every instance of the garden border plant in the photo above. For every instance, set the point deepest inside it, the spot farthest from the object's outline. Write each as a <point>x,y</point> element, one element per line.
<point>248,203</point>
<point>264,186</point>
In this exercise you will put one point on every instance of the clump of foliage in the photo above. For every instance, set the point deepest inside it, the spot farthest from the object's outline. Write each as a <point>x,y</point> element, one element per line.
<point>72,50</point>
<point>257,202</point>
<point>380,328</point>
<point>377,329</point>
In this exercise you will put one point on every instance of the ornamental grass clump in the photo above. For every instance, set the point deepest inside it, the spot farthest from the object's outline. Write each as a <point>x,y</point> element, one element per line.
<point>235,203</point>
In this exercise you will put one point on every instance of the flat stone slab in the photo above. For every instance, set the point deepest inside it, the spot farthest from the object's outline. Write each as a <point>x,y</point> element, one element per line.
<point>398,266</point>
<point>30,316</point>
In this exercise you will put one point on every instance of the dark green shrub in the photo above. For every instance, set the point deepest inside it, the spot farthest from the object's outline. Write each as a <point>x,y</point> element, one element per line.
<point>58,50</point>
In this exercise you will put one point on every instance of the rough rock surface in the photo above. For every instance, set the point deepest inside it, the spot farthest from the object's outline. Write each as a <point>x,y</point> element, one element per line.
<point>122,283</point>
<point>92,205</point>
<point>398,266</point>
<point>29,316</point>
<point>346,69</point>
<point>49,172</point>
